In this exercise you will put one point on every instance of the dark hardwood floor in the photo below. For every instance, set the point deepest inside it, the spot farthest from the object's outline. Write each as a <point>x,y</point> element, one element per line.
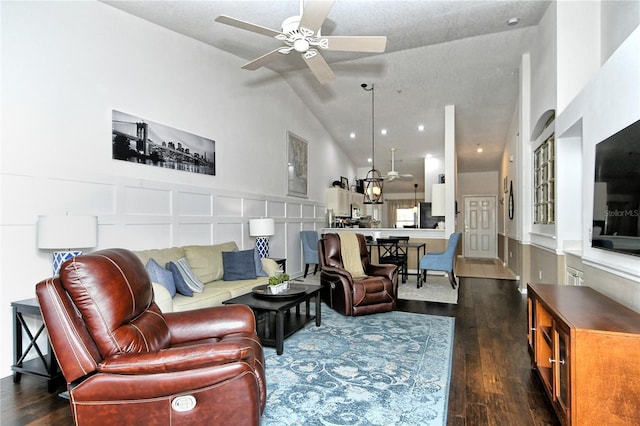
<point>491,383</point>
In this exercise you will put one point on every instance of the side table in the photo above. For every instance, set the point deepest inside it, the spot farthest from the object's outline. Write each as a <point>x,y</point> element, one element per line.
<point>45,365</point>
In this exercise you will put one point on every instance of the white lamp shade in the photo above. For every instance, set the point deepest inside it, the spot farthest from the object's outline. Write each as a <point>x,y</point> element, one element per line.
<point>64,232</point>
<point>438,200</point>
<point>263,227</point>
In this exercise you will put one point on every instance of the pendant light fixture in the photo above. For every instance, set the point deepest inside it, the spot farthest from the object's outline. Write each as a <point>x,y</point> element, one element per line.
<point>415,205</point>
<point>373,181</point>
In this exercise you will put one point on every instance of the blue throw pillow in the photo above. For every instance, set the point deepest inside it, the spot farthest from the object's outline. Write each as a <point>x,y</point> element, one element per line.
<point>258,261</point>
<point>238,265</point>
<point>181,285</point>
<point>159,275</point>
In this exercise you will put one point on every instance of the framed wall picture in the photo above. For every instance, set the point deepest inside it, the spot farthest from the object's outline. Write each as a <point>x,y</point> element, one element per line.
<point>138,140</point>
<point>344,182</point>
<point>297,166</point>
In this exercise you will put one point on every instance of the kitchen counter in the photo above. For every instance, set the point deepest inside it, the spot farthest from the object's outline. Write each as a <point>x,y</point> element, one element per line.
<point>396,232</point>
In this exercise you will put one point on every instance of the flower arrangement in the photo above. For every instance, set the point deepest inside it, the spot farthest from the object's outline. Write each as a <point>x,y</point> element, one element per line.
<point>279,283</point>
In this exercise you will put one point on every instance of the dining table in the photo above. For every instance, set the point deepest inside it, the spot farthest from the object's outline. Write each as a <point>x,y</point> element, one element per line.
<point>418,246</point>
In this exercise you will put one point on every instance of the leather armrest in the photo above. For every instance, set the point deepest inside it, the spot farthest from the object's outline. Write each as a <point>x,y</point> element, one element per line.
<point>386,271</point>
<point>210,322</point>
<point>176,359</point>
<point>341,273</point>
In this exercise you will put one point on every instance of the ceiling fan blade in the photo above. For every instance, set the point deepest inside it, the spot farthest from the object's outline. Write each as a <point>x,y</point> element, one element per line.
<point>314,14</point>
<point>243,25</point>
<point>375,44</point>
<point>262,60</point>
<point>319,67</point>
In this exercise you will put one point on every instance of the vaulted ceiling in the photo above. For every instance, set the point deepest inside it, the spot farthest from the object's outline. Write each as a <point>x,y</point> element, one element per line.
<point>438,53</point>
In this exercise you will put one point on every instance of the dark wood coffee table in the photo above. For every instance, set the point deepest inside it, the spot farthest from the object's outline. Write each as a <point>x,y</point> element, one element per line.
<point>275,321</point>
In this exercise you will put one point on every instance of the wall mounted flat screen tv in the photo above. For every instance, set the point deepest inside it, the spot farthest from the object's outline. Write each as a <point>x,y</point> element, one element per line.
<point>616,195</point>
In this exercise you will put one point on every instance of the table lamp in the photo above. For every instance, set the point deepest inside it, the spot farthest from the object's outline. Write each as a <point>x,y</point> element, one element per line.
<point>262,229</point>
<point>64,233</point>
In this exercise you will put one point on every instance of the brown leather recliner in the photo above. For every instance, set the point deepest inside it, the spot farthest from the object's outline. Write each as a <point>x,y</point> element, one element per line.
<point>125,362</point>
<point>375,292</point>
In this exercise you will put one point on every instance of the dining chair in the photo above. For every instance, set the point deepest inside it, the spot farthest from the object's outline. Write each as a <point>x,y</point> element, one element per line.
<point>389,252</point>
<point>441,261</point>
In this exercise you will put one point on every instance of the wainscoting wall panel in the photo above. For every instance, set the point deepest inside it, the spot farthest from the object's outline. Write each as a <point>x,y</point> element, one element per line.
<point>194,204</point>
<point>255,208</point>
<point>278,242</point>
<point>294,210</point>
<point>294,257</point>
<point>75,197</point>
<point>193,234</point>
<point>308,211</point>
<point>276,208</point>
<point>148,201</point>
<point>227,206</point>
<point>139,236</point>
<point>229,231</point>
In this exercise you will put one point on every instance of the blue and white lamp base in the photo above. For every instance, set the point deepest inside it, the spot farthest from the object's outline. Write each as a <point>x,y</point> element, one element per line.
<point>262,245</point>
<point>59,257</point>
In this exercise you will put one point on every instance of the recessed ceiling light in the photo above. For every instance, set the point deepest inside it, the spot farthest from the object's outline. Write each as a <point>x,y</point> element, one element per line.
<point>352,135</point>
<point>369,160</point>
<point>383,131</point>
<point>420,127</point>
<point>479,149</point>
<point>513,21</point>
<point>429,155</point>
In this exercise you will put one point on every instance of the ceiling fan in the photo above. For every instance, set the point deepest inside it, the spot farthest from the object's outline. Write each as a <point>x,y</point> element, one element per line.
<point>302,34</point>
<point>393,174</point>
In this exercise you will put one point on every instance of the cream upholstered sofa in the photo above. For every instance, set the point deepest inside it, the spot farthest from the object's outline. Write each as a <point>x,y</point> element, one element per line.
<point>206,263</point>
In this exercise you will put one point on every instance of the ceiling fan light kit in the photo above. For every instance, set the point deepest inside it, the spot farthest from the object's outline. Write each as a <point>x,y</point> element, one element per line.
<point>393,173</point>
<point>302,33</point>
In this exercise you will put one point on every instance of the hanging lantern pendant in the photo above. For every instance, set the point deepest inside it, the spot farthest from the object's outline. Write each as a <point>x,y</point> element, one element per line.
<point>373,182</point>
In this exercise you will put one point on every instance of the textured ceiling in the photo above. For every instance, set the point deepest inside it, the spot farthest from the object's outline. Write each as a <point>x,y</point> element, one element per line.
<point>438,53</point>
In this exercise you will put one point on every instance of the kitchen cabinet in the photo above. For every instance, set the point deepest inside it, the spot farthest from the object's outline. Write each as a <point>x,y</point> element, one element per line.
<point>339,200</point>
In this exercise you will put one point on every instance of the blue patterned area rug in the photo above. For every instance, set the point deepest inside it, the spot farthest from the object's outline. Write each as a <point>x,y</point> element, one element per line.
<point>383,369</point>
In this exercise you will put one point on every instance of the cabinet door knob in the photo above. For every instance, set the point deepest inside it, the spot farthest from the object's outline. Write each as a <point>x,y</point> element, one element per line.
<point>551,360</point>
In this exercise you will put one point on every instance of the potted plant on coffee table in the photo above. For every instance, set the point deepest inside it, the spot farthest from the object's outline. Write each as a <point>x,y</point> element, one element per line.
<point>278,283</point>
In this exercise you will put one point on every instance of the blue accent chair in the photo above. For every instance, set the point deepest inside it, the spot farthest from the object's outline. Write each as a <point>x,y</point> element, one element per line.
<point>309,250</point>
<point>441,261</point>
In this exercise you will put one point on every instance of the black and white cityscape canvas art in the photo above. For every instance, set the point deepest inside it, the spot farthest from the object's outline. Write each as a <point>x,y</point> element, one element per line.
<point>142,141</point>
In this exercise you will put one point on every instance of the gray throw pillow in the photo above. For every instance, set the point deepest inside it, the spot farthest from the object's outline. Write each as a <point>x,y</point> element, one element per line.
<point>238,265</point>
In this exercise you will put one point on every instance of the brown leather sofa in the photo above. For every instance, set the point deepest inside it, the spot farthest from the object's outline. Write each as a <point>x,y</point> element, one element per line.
<point>125,362</point>
<point>375,292</point>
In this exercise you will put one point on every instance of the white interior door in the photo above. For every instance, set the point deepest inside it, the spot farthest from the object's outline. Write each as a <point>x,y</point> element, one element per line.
<point>481,237</point>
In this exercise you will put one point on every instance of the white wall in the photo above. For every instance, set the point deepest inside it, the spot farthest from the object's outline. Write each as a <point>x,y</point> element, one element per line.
<point>544,82</point>
<point>618,19</point>
<point>509,171</point>
<point>578,40</point>
<point>609,103</point>
<point>65,66</point>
